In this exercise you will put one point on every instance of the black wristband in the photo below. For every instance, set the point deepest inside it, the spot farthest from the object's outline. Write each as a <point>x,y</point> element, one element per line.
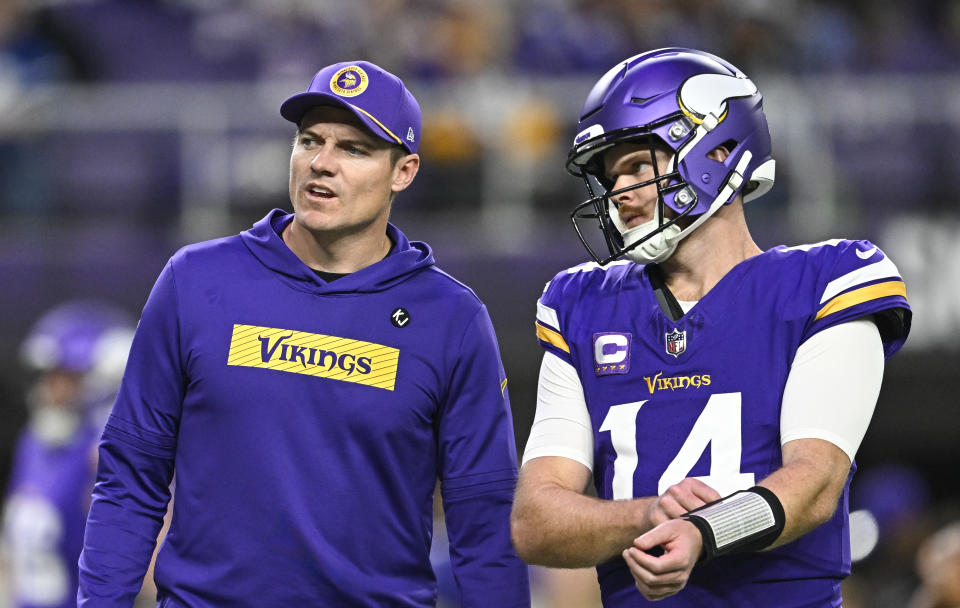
<point>748,520</point>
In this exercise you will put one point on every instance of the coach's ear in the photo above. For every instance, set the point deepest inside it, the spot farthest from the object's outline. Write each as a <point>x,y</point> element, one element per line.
<point>404,170</point>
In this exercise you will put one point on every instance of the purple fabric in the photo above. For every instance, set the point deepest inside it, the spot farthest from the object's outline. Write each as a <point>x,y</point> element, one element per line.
<point>740,341</point>
<point>46,509</point>
<point>297,489</point>
<point>378,98</point>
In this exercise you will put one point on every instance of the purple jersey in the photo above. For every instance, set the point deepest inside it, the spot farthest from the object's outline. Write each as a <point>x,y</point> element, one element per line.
<point>307,423</point>
<point>44,515</point>
<point>700,397</point>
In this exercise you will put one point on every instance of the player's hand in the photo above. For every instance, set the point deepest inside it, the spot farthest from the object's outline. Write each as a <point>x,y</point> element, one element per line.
<point>680,498</point>
<point>664,575</point>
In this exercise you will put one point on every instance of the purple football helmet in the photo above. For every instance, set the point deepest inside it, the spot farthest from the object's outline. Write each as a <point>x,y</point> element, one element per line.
<point>691,103</point>
<point>89,338</point>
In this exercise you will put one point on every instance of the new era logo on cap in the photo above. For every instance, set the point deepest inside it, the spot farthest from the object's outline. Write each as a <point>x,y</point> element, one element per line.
<point>375,96</point>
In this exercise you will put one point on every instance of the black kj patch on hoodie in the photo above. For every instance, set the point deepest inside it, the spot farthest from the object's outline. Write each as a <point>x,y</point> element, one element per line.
<point>400,318</point>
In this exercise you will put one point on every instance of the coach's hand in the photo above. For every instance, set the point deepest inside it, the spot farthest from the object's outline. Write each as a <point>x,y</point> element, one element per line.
<point>660,576</point>
<point>679,498</point>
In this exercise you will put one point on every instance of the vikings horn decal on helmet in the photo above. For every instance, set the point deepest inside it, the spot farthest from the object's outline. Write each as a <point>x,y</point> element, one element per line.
<point>686,102</point>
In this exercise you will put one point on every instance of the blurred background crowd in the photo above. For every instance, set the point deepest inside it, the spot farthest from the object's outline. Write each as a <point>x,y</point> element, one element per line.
<point>129,128</point>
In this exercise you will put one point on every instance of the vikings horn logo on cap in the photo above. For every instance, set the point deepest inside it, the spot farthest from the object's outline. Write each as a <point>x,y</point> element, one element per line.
<point>349,82</point>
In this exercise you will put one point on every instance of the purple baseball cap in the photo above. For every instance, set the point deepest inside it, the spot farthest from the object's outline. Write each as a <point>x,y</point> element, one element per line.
<point>374,95</point>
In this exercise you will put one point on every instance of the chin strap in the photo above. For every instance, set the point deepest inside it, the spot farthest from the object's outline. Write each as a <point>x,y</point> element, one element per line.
<point>668,303</point>
<point>661,246</point>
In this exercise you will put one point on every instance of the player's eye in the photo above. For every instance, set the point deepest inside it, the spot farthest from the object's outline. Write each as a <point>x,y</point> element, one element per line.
<point>641,167</point>
<point>356,151</point>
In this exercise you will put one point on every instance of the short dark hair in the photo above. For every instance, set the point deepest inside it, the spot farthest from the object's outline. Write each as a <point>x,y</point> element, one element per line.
<point>396,153</point>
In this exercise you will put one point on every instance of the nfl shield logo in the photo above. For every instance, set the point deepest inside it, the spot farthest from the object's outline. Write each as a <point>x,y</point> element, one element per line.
<point>676,342</point>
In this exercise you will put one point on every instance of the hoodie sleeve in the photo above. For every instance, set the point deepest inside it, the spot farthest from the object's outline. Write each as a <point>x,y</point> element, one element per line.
<point>136,457</point>
<point>478,473</point>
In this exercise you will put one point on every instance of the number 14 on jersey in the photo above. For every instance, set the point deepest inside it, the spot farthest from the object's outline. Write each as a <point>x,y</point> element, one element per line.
<point>718,426</point>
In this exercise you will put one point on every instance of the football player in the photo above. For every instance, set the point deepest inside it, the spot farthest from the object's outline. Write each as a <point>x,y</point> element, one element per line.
<point>715,393</point>
<point>938,565</point>
<point>76,353</point>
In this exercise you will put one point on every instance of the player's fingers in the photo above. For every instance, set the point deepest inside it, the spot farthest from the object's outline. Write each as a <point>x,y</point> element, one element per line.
<point>668,507</point>
<point>694,492</point>
<point>685,496</point>
<point>702,491</point>
<point>653,586</point>
<point>689,503</point>
<point>655,570</point>
<point>642,576</point>
<point>661,565</point>
<point>659,535</point>
<point>677,500</point>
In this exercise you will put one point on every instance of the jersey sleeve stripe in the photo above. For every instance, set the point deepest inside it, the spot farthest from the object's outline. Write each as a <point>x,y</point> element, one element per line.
<point>864,294</point>
<point>551,337</point>
<point>547,315</point>
<point>884,269</point>
<point>827,243</point>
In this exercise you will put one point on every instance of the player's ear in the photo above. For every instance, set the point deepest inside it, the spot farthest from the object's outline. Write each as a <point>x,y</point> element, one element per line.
<point>404,170</point>
<point>720,154</point>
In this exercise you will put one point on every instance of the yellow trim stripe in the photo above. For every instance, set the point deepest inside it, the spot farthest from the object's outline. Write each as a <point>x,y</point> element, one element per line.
<point>380,124</point>
<point>503,388</point>
<point>693,116</point>
<point>551,337</point>
<point>864,294</point>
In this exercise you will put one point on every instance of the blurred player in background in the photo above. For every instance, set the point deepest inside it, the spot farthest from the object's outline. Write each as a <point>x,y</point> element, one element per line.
<point>715,392</point>
<point>76,353</point>
<point>309,380</point>
<point>938,566</point>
